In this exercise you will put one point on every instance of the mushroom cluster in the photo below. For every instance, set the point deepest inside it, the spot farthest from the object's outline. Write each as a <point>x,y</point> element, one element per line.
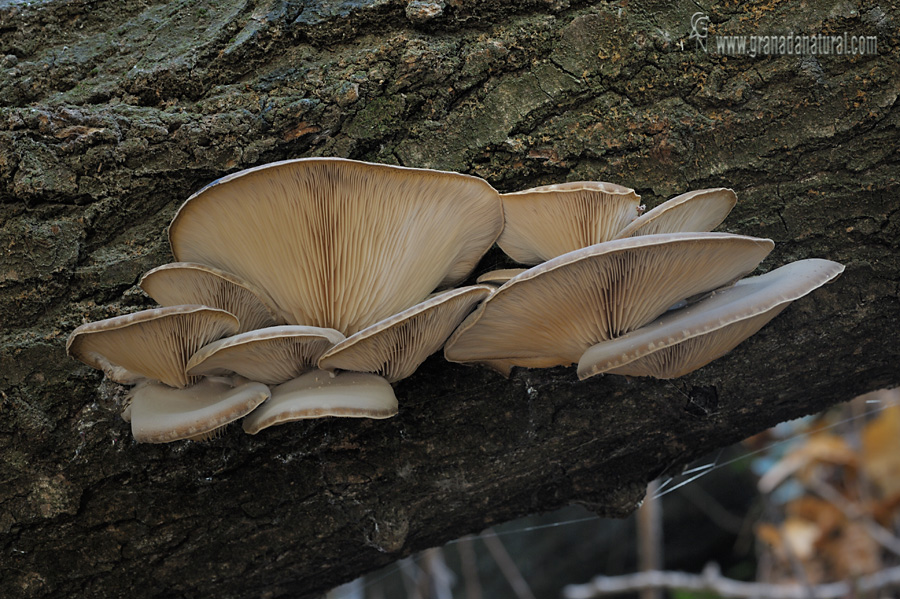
<point>615,291</point>
<point>300,289</point>
<point>305,288</point>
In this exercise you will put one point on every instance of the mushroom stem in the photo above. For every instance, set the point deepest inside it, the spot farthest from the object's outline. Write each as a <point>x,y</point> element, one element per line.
<point>317,394</point>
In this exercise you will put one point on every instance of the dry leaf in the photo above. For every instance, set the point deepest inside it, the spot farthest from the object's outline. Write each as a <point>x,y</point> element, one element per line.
<point>881,451</point>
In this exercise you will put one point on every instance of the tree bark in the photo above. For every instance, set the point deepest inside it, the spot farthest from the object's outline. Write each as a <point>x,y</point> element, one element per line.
<point>115,112</point>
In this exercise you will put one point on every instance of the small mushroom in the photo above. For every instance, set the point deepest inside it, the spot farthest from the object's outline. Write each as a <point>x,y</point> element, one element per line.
<point>694,211</point>
<point>187,283</point>
<point>396,346</point>
<point>548,221</point>
<point>317,394</point>
<point>550,314</point>
<point>273,355</point>
<point>161,414</point>
<point>686,339</point>
<point>337,243</point>
<point>389,350</point>
<point>154,344</point>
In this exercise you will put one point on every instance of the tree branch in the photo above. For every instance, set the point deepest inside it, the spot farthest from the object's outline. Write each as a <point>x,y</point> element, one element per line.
<point>113,112</point>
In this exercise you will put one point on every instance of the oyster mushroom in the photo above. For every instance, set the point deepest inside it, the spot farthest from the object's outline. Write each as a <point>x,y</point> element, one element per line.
<point>367,362</point>
<point>396,346</point>
<point>699,210</point>
<point>272,355</point>
<point>317,394</point>
<point>154,345</point>
<point>686,339</point>
<point>336,243</point>
<point>550,314</point>
<point>548,221</point>
<point>160,414</point>
<point>187,283</point>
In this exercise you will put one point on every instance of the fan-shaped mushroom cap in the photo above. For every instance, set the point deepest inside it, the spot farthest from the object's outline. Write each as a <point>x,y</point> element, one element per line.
<point>550,314</point>
<point>694,211</point>
<point>154,344</point>
<point>500,276</point>
<point>317,394</point>
<point>272,355</point>
<point>337,243</point>
<point>396,346</point>
<point>548,221</point>
<point>182,283</point>
<point>684,340</point>
<point>160,414</point>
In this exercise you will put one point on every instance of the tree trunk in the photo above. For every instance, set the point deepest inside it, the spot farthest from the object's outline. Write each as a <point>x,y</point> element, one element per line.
<point>113,112</point>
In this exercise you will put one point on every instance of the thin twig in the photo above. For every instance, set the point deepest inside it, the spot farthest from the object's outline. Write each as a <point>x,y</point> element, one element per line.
<point>469,567</point>
<point>713,581</point>
<point>412,574</point>
<point>650,534</point>
<point>507,567</point>
<point>440,576</point>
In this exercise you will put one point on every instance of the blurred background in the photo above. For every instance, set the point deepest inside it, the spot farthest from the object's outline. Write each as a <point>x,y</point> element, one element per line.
<point>806,509</point>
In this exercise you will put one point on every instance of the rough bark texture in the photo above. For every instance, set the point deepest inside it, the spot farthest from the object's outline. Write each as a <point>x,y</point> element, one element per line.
<point>114,112</point>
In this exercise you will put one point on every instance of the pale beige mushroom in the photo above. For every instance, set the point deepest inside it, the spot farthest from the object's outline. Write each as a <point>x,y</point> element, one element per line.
<point>389,350</point>
<point>396,346</point>
<point>182,283</point>
<point>686,339</point>
<point>337,243</point>
<point>317,394</point>
<point>694,211</point>
<point>548,221</point>
<point>273,355</point>
<point>154,344</point>
<point>550,314</point>
<point>160,414</point>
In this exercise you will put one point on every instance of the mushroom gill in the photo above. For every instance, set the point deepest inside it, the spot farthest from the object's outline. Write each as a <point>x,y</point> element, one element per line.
<point>698,210</point>
<point>153,344</point>
<point>550,314</point>
<point>150,349</point>
<point>272,355</point>
<point>337,243</point>
<point>182,283</point>
<point>686,339</point>
<point>396,346</point>
<point>551,220</point>
<point>370,360</point>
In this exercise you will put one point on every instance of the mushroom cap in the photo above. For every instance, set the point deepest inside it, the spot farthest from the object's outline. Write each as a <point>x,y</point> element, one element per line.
<point>396,346</point>
<point>338,243</point>
<point>499,276</point>
<point>154,344</point>
<point>550,314</point>
<point>548,221</point>
<point>698,210</point>
<point>160,414</point>
<point>317,394</point>
<point>272,355</point>
<point>684,340</point>
<point>182,283</point>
